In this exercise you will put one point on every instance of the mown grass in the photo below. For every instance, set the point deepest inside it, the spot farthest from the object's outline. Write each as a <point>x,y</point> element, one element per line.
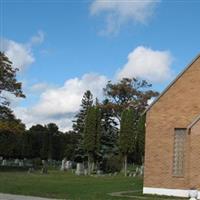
<point>65,185</point>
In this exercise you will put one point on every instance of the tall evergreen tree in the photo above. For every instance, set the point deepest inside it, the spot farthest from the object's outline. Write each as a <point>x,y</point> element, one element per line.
<point>52,130</point>
<point>141,138</point>
<point>127,135</point>
<point>79,124</point>
<point>92,136</point>
<point>109,133</point>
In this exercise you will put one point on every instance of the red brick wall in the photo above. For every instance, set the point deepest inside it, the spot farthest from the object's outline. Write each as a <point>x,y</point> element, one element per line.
<point>194,157</point>
<point>177,108</point>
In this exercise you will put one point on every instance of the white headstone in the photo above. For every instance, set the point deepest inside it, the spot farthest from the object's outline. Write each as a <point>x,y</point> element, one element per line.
<point>63,165</point>
<point>85,172</point>
<point>21,163</point>
<point>4,163</point>
<point>79,169</point>
<point>99,172</point>
<point>16,161</point>
<point>141,170</point>
<point>68,164</point>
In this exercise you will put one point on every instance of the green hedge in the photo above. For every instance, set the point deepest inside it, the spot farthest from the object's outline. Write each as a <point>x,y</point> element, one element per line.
<point>13,168</point>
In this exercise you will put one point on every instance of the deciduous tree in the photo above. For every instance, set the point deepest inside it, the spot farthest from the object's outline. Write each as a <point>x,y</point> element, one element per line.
<point>8,81</point>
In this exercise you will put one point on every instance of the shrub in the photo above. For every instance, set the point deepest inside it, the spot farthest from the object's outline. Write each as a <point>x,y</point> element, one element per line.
<point>37,163</point>
<point>112,164</point>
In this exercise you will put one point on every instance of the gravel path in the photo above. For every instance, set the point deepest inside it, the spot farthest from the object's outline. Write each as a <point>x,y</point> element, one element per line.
<point>20,197</point>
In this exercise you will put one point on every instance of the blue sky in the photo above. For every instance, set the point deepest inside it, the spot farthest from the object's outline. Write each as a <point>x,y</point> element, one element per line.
<point>64,47</point>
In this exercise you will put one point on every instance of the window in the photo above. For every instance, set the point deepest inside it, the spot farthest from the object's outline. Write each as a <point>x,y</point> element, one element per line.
<point>179,151</point>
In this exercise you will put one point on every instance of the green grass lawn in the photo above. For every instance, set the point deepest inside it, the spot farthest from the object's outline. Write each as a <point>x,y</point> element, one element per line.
<point>65,185</point>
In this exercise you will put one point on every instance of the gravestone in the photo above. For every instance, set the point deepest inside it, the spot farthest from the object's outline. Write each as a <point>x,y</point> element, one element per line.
<point>68,164</point>
<point>30,170</point>
<point>16,161</point>
<point>63,165</point>
<point>79,169</point>
<point>44,167</point>
<point>99,172</point>
<point>21,163</point>
<point>141,171</point>
<point>4,162</point>
<point>85,172</point>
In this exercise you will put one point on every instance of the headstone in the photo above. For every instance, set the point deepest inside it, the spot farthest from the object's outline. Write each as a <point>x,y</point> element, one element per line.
<point>4,162</point>
<point>21,163</point>
<point>99,172</point>
<point>79,169</point>
<point>141,171</point>
<point>85,172</point>
<point>115,174</point>
<point>137,171</point>
<point>44,167</point>
<point>63,165</point>
<point>30,170</point>
<point>68,165</point>
<point>16,161</point>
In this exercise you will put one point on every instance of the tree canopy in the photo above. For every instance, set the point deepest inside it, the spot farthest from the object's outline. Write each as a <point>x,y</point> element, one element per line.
<point>127,93</point>
<point>8,81</point>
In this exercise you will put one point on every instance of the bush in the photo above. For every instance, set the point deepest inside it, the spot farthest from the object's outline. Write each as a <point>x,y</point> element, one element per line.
<point>13,168</point>
<point>37,163</point>
<point>112,164</point>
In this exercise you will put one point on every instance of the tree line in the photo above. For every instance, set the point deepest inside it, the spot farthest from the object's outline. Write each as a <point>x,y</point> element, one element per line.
<point>106,134</point>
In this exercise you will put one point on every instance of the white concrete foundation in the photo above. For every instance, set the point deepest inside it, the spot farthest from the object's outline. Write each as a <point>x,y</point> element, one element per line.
<point>166,192</point>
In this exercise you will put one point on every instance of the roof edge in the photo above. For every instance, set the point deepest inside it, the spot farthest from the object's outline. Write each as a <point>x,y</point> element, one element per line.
<point>193,122</point>
<point>172,83</point>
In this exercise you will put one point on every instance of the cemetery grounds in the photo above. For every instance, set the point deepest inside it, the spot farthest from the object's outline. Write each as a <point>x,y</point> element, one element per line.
<point>66,185</point>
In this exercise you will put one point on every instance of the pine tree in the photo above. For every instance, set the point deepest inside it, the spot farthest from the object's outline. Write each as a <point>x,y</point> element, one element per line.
<point>141,138</point>
<point>127,135</point>
<point>79,124</point>
<point>92,136</point>
<point>109,133</point>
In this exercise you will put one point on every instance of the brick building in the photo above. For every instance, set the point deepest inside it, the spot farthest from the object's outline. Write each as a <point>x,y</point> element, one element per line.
<point>172,144</point>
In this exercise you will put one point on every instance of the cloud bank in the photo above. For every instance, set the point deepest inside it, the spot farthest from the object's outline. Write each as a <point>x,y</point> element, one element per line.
<point>21,53</point>
<point>146,63</point>
<point>118,13</point>
<point>60,104</point>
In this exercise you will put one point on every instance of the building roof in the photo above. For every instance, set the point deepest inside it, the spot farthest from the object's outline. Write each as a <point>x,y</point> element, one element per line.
<point>172,83</point>
<point>194,122</point>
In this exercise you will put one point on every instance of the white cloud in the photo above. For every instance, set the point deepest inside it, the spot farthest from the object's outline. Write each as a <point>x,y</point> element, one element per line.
<point>148,64</point>
<point>18,53</point>
<point>29,117</point>
<point>59,104</point>
<point>117,13</point>
<point>21,53</point>
<point>38,87</point>
<point>37,39</point>
<point>68,97</point>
